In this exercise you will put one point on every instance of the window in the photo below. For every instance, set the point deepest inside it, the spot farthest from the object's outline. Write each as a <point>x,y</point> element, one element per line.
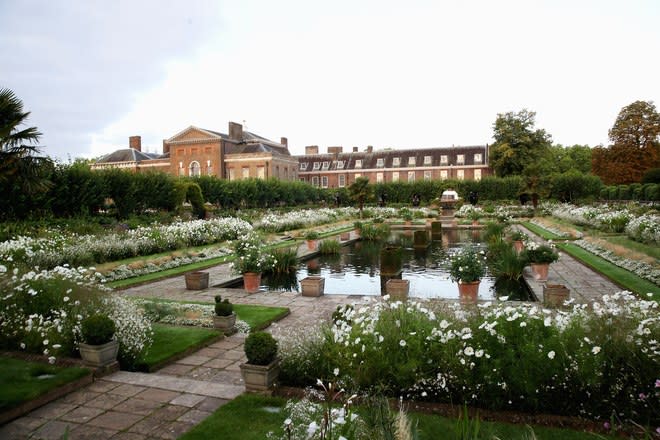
<point>460,158</point>
<point>358,175</point>
<point>396,161</point>
<point>477,174</point>
<point>230,174</point>
<point>411,176</point>
<point>358,163</point>
<point>194,169</point>
<point>411,161</point>
<point>428,160</point>
<point>460,174</point>
<point>245,172</point>
<point>326,165</point>
<point>261,172</point>
<point>477,157</point>
<point>427,175</point>
<point>303,166</point>
<point>379,178</point>
<point>324,181</point>
<point>317,166</point>
<point>395,176</point>
<point>443,159</point>
<point>209,170</point>
<point>380,162</point>
<point>443,174</point>
<point>342,181</point>
<point>315,180</point>
<point>340,164</point>
<point>181,172</point>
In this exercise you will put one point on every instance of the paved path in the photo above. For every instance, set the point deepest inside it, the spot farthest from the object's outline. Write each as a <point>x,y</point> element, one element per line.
<point>165,404</point>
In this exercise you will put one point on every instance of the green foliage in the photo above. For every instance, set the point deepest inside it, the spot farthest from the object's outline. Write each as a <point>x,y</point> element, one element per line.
<point>285,260</point>
<point>467,266</point>
<point>223,308</point>
<point>572,186</point>
<point>260,348</point>
<point>540,254</point>
<point>651,176</point>
<point>361,192</point>
<point>374,231</point>
<point>194,196</point>
<point>97,329</point>
<point>329,247</point>
<point>312,235</point>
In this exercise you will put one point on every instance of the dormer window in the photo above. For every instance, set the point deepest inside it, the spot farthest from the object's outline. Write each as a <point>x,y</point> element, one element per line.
<point>460,159</point>
<point>380,162</point>
<point>428,160</point>
<point>477,157</point>
<point>411,161</point>
<point>326,165</point>
<point>396,161</point>
<point>358,163</point>
<point>443,159</point>
<point>317,166</point>
<point>340,164</point>
<point>303,166</point>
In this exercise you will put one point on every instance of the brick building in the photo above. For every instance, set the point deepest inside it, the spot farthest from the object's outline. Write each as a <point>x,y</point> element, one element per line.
<point>336,169</point>
<point>196,151</point>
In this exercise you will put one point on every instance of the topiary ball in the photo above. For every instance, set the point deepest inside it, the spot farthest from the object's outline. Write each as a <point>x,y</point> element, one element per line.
<point>97,329</point>
<point>260,348</point>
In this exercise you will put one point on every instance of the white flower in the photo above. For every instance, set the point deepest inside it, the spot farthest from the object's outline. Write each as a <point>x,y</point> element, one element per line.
<point>336,371</point>
<point>469,351</point>
<point>479,353</point>
<point>402,343</point>
<point>551,354</point>
<point>595,350</point>
<point>311,429</point>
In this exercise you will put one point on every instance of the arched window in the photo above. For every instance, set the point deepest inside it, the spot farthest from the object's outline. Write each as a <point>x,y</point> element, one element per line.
<point>194,169</point>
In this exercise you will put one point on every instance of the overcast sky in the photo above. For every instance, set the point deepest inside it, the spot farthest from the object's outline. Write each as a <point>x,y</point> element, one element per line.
<point>352,73</point>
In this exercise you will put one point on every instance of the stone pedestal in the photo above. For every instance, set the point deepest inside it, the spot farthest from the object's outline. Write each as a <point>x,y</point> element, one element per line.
<point>554,295</point>
<point>312,286</point>
<point>397,289</point>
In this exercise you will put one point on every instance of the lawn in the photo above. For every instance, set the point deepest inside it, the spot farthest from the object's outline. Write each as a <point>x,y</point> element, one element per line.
<point>618,275</point>
<point>251,417</point>
<point>259,317</point>
<point>22,381</point>
<point>171,341</point>
<point>542,232</point>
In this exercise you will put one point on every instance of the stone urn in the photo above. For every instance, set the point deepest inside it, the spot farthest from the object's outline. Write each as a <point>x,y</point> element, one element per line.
<point>251,281</point>
<point>468,292</point>
<point>225,323</point>
<point>197,280</point>
<point>312,286</point>
<point>260,378</point>
<point>397,289</point>
<point>540,271</point>
<point>554,295</point>
<point>99,355</point>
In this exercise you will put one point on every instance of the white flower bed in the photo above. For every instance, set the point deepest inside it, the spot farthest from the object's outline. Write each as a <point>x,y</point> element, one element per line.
<point>174,313</point>
<point>601,217</point>
<point>645,228</point>
<point>277,222</point>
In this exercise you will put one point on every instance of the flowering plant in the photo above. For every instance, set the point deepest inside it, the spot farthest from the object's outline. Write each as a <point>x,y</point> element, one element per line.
<point>539,254</point>
<point>249,254</point>
<point>467,266</point>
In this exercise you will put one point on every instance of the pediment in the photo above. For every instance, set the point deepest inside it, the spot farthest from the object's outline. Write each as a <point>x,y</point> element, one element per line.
<point>193,133</point>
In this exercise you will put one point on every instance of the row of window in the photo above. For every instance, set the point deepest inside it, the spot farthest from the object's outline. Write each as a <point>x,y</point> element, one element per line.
<point>380,177</point>
<point>396,161</point>
<point>195,169</point>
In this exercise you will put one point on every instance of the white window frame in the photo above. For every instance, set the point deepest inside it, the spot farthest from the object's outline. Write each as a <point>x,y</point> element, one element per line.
<point>243,174</point>
<point>444,159</point>
<point>324,181</point>
<point>380,162</point>
<point>341,181</point>
<point>460,159</point>
<point>428,160</point>
<point>395,176</point>
<point>194,169</point>
<point>340,164</point>
<point>477,174</point>
<point>358,163</point>
<point>428,174</point>
<point>303,166</point>
<point>315,180</point>
<point>477,158</point>
<point>443,174</point>
<point>317,166</point>
<point>326,165</point>
<point>411,176</point>
<point>380,177</point>
<point>396,161</point>
<point>460,174</point>
<point>412,160</point>
<point>261,172</point>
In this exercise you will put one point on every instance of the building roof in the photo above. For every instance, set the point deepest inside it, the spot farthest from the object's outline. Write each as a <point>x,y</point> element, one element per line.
<point>128,155</point>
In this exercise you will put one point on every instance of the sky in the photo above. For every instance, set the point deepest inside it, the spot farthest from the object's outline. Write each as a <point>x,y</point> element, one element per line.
<point>391,74</point>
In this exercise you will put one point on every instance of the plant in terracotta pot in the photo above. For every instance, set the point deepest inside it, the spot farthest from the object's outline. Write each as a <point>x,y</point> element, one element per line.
<point>224,318</point>
<point>539,257</point>
<point>519,239</point>
<point>250,261</point>
<point>467,267</point>
<point>311,237</point>
<point>97,347</point>
<point>262,366</point>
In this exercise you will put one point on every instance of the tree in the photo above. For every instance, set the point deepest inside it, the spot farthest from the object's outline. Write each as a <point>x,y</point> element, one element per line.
<point>635,147</point>
<point>517,145</point>
<point>18,161</point>
<point>564,159</point>
<point>360,192</point>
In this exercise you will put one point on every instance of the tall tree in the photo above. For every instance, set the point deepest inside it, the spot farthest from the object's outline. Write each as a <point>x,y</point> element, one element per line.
<point>18,159</point>
<point>517,144</point>
<point>360,192</point>
<point>635,147</point>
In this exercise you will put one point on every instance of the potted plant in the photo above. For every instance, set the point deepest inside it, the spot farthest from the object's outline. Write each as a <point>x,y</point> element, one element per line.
<point>224,318</point>
<point>407,215</point>
<point>467,267</point>
<point>475,214</point>
<point>539,257</point>
<point>97,347</point>
<point>311,237</point>
<point>262,366</point>
<point>250,261</point>
<point>518,238</point>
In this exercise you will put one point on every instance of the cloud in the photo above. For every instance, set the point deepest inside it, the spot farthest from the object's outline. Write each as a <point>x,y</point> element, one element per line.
<point>78,64</point>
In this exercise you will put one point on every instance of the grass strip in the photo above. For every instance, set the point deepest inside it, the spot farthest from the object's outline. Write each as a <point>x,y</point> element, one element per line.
<point>628,243</point>
<point>259,317</point>
<point>252,416</point>
<point>616,274</point>
<point>22,380</point>
<point>172,342</point>
<point>542,232</point>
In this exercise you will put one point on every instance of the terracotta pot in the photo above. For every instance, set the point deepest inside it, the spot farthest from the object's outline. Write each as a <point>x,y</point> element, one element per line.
<point>540,271</point>
<point>345,236</point>
<point>468,292</point>
<point>260,378</point>
<point>311,245</point>
<point>518,246</point>
<point>475,222</point>
<point>99,355</point>
<point>197,280</point>
<point>251,281</point>
<point>312,286</point>
<point>225,323</point>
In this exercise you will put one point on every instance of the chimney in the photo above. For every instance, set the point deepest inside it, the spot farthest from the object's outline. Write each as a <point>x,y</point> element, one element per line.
<point>312,149</point>
<point>166,147</point>
<point>335,150</point>
<point>370,149</point>
<point>135,142</point>
<point>355,149</point>
<point>235,131</point>
<point>284,141</point>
